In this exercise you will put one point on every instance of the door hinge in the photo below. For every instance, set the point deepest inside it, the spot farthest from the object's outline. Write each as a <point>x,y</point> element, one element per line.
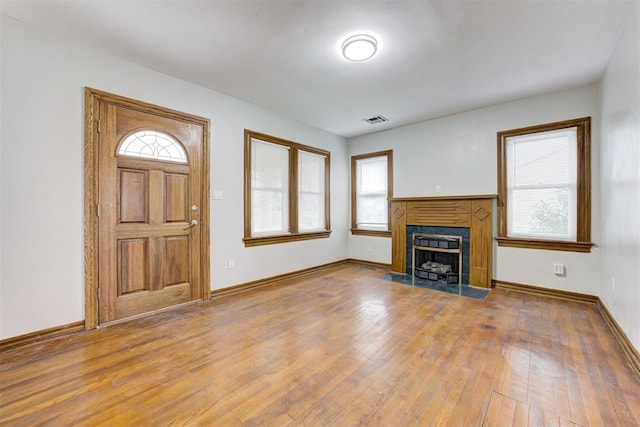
<point>98,126</point>
<point>98,293</point>
<point>98,210</point>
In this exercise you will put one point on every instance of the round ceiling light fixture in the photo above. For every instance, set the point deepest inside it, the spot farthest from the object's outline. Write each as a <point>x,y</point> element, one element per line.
<point>359,47</point>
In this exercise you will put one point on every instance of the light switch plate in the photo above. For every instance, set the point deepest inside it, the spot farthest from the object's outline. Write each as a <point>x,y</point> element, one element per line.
<point>218,194</point>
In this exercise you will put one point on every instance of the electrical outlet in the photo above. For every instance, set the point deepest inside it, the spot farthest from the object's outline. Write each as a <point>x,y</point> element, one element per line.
<point>438,188</point>
<point>232,263</point>
<point>369,248</point>
<point>613,284</point>
<point>558,269</point>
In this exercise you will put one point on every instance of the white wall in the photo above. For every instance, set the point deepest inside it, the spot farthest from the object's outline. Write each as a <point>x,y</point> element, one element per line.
<point>1,187</point>
<point>459,154</point>
<point>620,182</point>
<point>41,174</point>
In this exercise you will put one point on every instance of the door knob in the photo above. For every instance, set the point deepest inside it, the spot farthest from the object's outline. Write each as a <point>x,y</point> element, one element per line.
<point>194,222</point>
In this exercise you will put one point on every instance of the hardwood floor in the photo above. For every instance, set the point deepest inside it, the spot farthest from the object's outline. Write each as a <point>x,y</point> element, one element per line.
<point>339,347</point>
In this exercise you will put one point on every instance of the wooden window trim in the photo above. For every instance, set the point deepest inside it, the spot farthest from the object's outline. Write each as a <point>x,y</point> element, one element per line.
<point>354,226</point>
<point>583,214</point>
<point>269,240</point>
<point>552,245</point>
<point>375,233</point>
<point>294,235</point>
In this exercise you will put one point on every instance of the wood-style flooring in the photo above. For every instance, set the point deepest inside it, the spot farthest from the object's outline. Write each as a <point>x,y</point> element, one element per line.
<point>339,347</point>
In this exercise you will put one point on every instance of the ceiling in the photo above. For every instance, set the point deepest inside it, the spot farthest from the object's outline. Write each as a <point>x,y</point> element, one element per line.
<point>435,57</point>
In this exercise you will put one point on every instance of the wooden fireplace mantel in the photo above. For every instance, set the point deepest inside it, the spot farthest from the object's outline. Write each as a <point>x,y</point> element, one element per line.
<point>475,212</point>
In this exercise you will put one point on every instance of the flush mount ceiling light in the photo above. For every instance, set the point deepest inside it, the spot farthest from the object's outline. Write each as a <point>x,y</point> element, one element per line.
<point>359,47</point>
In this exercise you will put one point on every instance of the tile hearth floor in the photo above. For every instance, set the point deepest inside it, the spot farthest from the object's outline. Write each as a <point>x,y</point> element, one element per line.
<point>464,290</point>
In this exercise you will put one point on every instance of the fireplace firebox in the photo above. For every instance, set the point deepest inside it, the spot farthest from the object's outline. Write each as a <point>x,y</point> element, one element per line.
<point>437,257</point>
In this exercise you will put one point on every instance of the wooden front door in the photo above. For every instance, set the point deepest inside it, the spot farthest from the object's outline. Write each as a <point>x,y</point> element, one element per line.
<point>151,208</point>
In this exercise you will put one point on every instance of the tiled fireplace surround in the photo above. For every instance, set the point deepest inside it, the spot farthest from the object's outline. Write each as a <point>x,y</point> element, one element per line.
<point>421,213</point>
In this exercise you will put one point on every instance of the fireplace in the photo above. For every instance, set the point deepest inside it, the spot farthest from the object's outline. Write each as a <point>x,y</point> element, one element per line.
<point>468,217</point>
<point>439,254</point>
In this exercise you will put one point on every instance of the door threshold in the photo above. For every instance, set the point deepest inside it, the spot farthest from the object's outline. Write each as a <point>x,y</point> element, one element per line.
<point>148,313</point>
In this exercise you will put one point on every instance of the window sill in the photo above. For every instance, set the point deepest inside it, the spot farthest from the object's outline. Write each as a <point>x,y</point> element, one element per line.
<point>552,245</point>
<point>270,240</point>
<point>364,232</point>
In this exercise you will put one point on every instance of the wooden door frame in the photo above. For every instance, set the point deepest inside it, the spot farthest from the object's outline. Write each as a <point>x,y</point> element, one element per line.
<point>92,98</point>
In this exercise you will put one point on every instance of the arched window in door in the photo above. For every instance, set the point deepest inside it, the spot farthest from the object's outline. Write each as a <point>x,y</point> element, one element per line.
<point>150,144</point>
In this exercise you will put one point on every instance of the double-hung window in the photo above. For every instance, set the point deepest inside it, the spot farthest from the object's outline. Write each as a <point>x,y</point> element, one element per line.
<point>311,191</point>
<point>286,190</point>
<point>371,189</point>
<point>269,188</point>
<point>544,186</point>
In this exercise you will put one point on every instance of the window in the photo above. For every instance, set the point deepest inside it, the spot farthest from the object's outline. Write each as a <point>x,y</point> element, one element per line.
<point>371,189</point>
<point>311,191</point>
<point>149,144</point>
<point>269,188</point>
<point>286,191</point>
<point>544,186</point>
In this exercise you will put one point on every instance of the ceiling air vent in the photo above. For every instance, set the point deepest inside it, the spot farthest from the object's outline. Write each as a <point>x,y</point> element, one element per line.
<point>376,119</point>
